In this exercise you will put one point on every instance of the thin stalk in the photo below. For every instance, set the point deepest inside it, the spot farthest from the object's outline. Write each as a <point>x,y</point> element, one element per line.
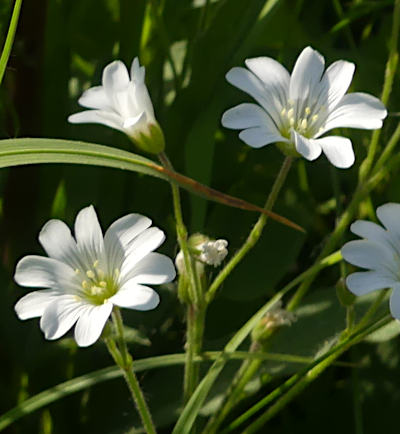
<point>297,382</point>
<point>390,71</point>
<point>195,314</point>
<point>255,233</point>
<point>244,375</point>
<point>124,360</point>
<point>388,149</point>
<point>5,55</point>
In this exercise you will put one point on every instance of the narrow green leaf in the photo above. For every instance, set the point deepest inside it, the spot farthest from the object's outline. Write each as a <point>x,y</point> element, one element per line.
<point>84,381</point>
<point>16,152</point>
<point>5,55</point>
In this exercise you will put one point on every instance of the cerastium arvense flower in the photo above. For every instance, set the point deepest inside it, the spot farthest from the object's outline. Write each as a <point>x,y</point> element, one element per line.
<point>86,276</point>
<point>123,103</point>
<point>379,253</point>
<point>295,110</point>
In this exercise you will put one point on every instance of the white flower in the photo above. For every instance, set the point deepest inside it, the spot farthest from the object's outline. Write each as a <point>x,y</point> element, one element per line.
<point>213,252</point>
<point>295,111</point>
<point>86,277</point>
<point>378,252</point>
<point>122,102</point>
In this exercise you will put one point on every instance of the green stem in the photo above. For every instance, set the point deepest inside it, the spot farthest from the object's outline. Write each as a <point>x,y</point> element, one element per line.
<point>255,233</point>
<point>388,149</point>
<point>297,382</point>
<point>234,394</point>
<point>390,71</point>
<point>124,360</point>
<point>195,314</point>
<point>5,55</point>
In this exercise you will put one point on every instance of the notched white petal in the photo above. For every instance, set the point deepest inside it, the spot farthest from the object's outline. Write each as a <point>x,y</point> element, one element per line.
<point>135,296</point>
<point>33,305</point>
<point>364,282</point>
<point>338,150</point>
<point>308,148</point>
<point>91,323</point>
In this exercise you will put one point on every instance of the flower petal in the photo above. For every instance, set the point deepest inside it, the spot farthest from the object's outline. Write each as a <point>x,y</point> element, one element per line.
<point>120,234</point>
<point>389,215</point>
<point>306,75</point>
<point>60,315</point>
<point>153,269</point>
<point>367,254</point>
<point>95,98</point>
<point>89,236</point>
<point>248,116</point>
<point>115,77</point>
<point>308,148</point>
<point>364,282</point>
<point>41,272</point>
<point>140,98</point>
<point>57,241</point>
<point>356,110</point>
<point>336,81</point>
<point>141,246</point>
<point>134,296</point>
<point>259,136</point>
<point>395,303</point>
<point>137,71</point>
<point>371,231</point>
<point>97,117</point>
<point>91,323</point>
<point>274,76</point>
<point>34,304</point>
<point>338,150</point>
<point>245,80</point>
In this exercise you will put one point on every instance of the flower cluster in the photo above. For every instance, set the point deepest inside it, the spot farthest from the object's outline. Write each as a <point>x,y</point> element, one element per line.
<point>86,276</point>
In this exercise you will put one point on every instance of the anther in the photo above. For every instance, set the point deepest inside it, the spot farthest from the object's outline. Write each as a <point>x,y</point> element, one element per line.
<point>85,284</point>
<point>314,118</point>
<point>95,263</point>
<point>307,110</point>
<point>103,284</point>
<point>290,113</point>
<point>291,122</point>
<point>90,274</point>
<point>283,111</point>
<point>77,271</point>
<point>303,124</point>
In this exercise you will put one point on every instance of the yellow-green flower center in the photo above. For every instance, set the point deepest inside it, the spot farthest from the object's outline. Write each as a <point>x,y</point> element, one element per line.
<point>97,287</point>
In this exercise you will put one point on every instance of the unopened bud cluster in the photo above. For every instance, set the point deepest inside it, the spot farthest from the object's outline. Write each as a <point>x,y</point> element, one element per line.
<point>275,318</point>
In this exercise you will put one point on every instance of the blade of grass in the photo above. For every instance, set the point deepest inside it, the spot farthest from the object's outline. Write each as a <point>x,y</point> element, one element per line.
<point>5,55</point>
<point>16,152</point>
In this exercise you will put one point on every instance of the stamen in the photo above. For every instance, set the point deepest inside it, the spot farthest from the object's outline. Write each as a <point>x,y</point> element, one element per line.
<point>291,102</point>
<point>303,124</point>
<point>291,122</point>
<point>77,271</point>
<point>90,274</point>
<point>85,284</point>
<point>95,263</point>
<point>103,284</point>
<point>283,111</point>
<point>290,113</point>
<point>314,118</point>
<point>307,110</point>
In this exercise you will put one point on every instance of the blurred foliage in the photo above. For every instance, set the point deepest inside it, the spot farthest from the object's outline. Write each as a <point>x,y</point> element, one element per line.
<point>187,47</point>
